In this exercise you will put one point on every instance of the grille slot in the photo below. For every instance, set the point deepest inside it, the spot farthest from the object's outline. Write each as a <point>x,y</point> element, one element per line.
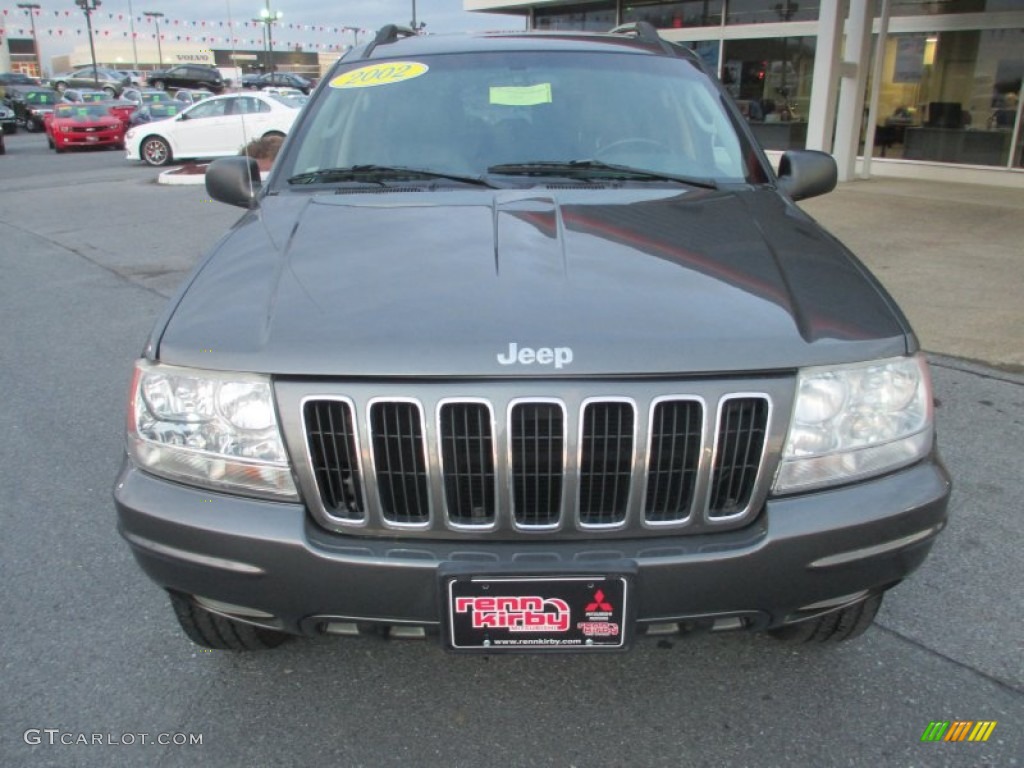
<point>335,460</point>
<point>606,463</point>
<point>674,459</point>
<point>741,435</point>
<point>538,450</point>
<point>467,458</point>
<point>398,453</point>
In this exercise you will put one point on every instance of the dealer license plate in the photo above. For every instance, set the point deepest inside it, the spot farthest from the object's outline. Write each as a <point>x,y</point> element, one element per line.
<point>525,613</point>
<point>92,138</point>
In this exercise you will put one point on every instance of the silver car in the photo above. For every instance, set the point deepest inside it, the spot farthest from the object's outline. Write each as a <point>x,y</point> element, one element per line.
<point>87,77</point>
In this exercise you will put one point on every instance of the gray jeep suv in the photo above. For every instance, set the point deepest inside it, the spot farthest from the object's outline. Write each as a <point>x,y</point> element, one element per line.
<point>523,345</point>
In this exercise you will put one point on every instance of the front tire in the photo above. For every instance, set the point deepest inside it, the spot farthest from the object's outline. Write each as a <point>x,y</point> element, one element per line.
<point>212,631</point>
<point>155,151</point>
<point>835,627</point>
<point>109,91</point>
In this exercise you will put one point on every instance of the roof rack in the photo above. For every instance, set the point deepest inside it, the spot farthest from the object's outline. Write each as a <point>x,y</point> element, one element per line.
<point>644,32</point>
<point>389,33</point>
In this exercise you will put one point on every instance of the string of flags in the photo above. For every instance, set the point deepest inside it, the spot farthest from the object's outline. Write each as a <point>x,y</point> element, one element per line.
<point>66,24</point>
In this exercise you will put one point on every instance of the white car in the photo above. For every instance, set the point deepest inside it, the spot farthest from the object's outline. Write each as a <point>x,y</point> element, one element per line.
<point>216,127</point>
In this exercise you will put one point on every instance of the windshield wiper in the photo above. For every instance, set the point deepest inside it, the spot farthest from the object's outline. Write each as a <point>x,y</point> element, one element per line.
<point>381,173</point>
<point>596,169</point>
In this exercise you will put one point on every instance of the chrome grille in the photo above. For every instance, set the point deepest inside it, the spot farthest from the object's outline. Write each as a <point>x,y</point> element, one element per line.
<point>741,434</point>
<point>398,455</point>
<point>538,446</point>
<point>674,457</point>
<point>467,462</point>
<point>332,450</point>
<point>506,460</point>
<point>606,463</point>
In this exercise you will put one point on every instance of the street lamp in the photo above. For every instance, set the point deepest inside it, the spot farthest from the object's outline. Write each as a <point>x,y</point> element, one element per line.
<point>268,18</point>
<point>30,8</point>
<point>135,50</point>
<point>156,16</point>
<point>88,6</point>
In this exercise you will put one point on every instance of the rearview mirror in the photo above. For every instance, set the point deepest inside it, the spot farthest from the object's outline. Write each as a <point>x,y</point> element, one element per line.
<point>235,181</point>
<point>807,173</point>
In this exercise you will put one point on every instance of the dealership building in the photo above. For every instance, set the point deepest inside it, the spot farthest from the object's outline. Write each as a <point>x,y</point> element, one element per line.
<point>932,86</point>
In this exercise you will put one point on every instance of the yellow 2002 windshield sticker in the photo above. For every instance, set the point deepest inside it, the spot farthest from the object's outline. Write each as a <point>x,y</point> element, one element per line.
<point>521,95</point>
<point>379,74</point>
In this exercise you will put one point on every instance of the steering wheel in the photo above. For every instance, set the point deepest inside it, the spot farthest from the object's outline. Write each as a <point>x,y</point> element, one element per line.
<point>637,141</point>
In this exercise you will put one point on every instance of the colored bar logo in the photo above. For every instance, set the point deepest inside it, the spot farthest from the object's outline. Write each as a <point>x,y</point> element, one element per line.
<point>958,730</point>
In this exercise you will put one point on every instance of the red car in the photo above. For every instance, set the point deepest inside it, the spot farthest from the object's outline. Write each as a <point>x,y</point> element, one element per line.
<point>83,125</point>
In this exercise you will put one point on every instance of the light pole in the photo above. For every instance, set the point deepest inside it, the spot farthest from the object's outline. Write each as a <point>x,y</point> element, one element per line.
<point>135,50</point>
<point>88,6</point>
<point>268,19</point>
<point>156,16</point>
<point>30,9</point>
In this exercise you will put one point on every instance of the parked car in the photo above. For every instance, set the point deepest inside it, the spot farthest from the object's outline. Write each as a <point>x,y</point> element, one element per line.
<point>188,76</point>
<point>107,80</point>
<point>84,96</point>
<point>141,96</point>
<point>527,347</point>
<point>283,80</point>
<point>158,110</point>
<point>3,146</point>
<point>17,78</point>
<point>192,95</point>
<point>8,119</point>
<point>249,79</point>
<point>72,126</point>
<point>32,104</point>
<point>135,77</point>
<point>214,127</point>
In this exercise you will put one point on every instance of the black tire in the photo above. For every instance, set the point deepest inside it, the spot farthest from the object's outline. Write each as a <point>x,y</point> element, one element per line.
<point>33,127</point>
<point>109,91</point>
<point>834,627</point>
<point>49,142</point>
<point>11,128</point>
<point>212,631</point>
<point>3,147</point>
<point>155,151</point>
<point>160,85</point>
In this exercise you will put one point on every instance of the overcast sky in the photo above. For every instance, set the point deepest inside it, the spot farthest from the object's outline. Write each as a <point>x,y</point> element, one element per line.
<point>60,24</point>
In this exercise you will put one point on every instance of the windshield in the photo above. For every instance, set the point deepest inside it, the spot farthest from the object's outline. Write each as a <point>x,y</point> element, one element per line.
<point>82,111</point>
<point>468,113</point>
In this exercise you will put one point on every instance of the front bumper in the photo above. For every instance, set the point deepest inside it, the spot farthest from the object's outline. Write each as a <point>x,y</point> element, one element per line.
<point>104,138</point>
<point>804,555</point>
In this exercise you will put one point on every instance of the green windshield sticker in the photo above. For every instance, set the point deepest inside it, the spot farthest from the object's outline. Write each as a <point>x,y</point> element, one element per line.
<point>521,95</point>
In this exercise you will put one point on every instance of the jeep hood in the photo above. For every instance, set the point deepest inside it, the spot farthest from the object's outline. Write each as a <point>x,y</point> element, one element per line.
<point>442,282</point>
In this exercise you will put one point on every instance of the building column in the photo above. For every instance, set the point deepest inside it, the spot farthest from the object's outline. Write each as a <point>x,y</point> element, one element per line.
<point>825,80</point>
<point>850,115</point>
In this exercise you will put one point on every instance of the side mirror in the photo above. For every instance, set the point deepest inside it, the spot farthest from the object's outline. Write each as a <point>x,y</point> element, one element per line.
<point>234,180</point>
<point>807,173</point>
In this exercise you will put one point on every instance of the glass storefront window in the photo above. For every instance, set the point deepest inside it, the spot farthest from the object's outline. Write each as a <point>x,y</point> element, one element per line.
<point>771,81</point>
<point>930,7</point>
<point>769,11</point>
<point>674,15</point>
<point>951,97</point>
<point>593,17</point>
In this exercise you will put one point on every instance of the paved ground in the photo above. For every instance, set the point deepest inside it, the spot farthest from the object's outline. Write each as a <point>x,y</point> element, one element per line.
<point>89,248</point>
<point>951,254</point>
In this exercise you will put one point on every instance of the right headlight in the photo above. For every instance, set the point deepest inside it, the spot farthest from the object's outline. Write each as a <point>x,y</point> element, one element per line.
<point>212,429</point>
<point>854,421</point>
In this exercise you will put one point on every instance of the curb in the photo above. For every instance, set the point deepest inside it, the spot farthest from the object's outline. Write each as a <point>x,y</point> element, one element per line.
<point>170,176</point>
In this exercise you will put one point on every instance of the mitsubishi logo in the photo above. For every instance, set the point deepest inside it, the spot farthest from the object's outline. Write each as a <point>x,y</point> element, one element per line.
<point>599,603</point>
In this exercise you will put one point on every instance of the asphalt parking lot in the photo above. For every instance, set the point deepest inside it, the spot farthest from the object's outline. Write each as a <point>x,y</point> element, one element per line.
<point>91,247</point>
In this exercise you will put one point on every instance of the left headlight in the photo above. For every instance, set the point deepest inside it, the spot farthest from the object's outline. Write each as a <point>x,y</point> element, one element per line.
<point>208,428</point>
<point>856,421</point>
